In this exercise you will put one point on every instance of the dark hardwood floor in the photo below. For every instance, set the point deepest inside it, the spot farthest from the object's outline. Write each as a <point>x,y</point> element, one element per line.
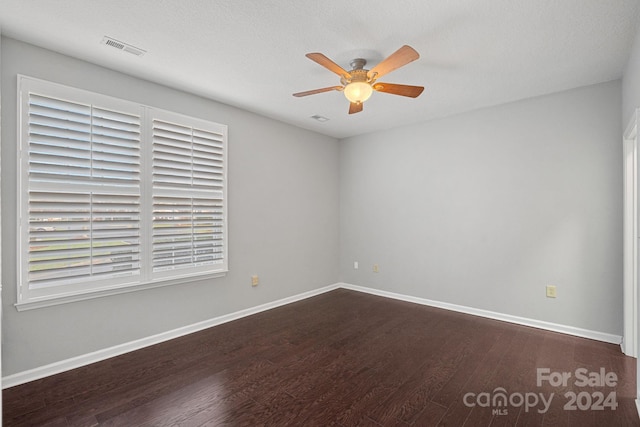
<point>342,358</point>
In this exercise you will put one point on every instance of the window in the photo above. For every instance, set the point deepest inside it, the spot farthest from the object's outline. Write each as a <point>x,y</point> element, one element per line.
<point>114,196</point>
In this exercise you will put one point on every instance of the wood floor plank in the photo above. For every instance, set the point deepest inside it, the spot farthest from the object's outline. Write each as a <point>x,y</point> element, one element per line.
<point>342,358</point>
<point>398,364</point>
<point>430,415</point>
<point>411,398</point>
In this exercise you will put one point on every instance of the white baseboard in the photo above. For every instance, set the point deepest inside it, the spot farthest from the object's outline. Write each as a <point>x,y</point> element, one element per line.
<point>97,356</point>
<point>569,330</point>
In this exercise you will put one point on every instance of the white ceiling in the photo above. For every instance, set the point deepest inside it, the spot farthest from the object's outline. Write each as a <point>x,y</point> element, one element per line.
<point>251,53</point>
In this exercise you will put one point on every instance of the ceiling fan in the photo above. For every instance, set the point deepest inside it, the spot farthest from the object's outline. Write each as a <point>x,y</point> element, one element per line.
<point>359,83</point>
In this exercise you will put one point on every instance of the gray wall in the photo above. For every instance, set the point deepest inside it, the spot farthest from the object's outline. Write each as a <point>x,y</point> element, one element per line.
<point>485,209</point>
<point>283,221</point>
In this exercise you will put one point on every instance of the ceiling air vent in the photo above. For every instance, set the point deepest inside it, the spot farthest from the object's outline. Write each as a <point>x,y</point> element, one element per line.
<point>123,46</point>
<point>319,118</point>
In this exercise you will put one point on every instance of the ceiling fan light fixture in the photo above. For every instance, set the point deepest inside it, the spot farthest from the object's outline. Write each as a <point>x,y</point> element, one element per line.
<point>359,83</point>
<point>358,92</point>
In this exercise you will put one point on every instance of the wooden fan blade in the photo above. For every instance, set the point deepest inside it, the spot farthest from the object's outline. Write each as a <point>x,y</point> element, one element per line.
<point>328,64</point>
<point>397,59</point>
<point>355,107</point>
<point>395,89</point>
<point>314,91</point>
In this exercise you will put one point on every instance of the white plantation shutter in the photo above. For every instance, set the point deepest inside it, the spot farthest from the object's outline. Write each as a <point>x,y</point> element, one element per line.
<point>188,194</point>
<point>86,222</point>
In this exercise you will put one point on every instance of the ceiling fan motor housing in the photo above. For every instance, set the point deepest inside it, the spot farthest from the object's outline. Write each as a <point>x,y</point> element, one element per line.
<point>358,73</point>
<point>356,76</point>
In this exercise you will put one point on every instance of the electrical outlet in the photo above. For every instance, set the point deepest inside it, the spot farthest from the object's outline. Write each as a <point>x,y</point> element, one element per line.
<point>254,280</point>
<point>376,269</point>
<point>355,265</point>
<point>551,291</point>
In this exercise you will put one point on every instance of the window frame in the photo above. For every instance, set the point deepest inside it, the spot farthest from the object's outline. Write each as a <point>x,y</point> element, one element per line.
<point>29,298</point>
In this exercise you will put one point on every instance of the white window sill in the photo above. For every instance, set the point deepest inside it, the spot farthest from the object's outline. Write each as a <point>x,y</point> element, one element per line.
<point>64,299</point>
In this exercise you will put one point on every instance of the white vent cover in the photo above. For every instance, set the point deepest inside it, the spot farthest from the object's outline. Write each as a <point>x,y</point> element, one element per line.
<point>122,46</point>
<point>319,118</point>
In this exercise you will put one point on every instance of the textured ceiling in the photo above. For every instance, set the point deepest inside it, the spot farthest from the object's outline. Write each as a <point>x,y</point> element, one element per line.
<point>250,53</point>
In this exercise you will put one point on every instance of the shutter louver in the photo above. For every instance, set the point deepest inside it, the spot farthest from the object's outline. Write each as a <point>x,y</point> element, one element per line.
<point>59,140</point>
<point>59,243</point>
<point>188,180</point>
